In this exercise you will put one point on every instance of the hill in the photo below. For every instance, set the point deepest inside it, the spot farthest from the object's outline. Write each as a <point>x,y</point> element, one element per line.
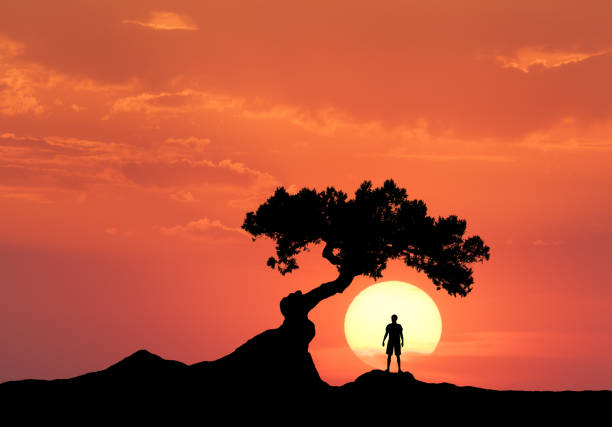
<point>147,385</point>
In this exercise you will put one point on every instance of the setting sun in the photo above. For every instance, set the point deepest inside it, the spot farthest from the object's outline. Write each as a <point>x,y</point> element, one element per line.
<point>136,136</point>
<point>371,310</point>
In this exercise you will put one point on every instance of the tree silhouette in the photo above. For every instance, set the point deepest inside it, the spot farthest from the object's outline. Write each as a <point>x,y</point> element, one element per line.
<point>360,235</point>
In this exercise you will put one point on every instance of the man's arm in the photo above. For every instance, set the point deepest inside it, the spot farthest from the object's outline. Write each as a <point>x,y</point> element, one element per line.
<point>386,333</point>
<point>402,337</point>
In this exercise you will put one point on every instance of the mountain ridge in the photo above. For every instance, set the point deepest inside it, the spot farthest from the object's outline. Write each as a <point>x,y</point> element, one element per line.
<point>272,378</point>
<point>144,381</point>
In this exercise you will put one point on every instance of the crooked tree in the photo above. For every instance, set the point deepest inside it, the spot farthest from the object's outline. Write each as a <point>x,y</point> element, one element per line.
<point>359,236</point>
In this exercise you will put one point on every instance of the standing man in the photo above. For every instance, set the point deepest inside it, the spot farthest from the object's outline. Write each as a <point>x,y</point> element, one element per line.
<point>396,338</point>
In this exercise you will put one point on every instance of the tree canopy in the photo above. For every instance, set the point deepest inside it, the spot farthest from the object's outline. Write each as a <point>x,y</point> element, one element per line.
<point>360,235</point>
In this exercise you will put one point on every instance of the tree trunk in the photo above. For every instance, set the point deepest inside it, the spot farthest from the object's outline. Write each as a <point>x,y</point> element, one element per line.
<point>296,306</point>
<point>326,290</point>
<point>278,358</point>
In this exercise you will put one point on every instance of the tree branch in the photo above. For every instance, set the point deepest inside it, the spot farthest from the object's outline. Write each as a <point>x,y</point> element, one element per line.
<point>328,254</point>
<point>326,290</point>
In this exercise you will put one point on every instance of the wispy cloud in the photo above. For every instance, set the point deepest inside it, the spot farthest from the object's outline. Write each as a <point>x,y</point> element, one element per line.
<point>184,101</point>
<point>32,88</point>
<point>26,194</point>
<point>175,166</point>
<point>113,231</point>
<point>17,81</point>
<point>183,196</point>
<point>531,56</point>
<point>570,136</point>
<point>191,142</point>
<point>520,343</point>
<point>543,142</point>
<point>449,157</point>
<point>159,20</point>
<point>540,242</point>
<point>326,121</point>
<point>204,229</point>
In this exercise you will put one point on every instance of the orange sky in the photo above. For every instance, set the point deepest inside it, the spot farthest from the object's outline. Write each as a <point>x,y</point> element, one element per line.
<point>134,137</point>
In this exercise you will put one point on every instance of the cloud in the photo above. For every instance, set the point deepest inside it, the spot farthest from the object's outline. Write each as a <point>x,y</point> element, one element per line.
<point>17,82</point>
<point>418,142</point>
<point>192,142</point>
<point>113,231</point>
<point>326,121</point>
<point>304,66</point>
<point>28,87</point>
<point>186,172</point>
<point>186,147</point>
<point>187,100</point>
<point>540,242</point>
<point>571,135</point>
<point>18,193</point>
<point>159,20</point>
<point>174,166</point>
<point>521,343</point>
<point>450,157</point>
<point>532,56</point>
<point>16,94</point>
<point>183,196</point>
<point>205,229</point>
<point>10,48</point>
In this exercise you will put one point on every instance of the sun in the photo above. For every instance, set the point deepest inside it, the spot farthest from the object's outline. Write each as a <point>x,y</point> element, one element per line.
<point>370,312</point>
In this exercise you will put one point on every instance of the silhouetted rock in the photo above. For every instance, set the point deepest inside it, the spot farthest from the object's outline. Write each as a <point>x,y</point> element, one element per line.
<point>269,360</point>
<point>269,379</point>
<point>378,378</point>
<point>274,367</point>
<point>146,384</point>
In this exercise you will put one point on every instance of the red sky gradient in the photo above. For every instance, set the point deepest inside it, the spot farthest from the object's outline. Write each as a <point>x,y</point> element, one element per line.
<point>135,136</point>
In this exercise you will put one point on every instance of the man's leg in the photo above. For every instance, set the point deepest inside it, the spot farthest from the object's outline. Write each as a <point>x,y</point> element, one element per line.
<point>399,367</point>
<point>388,362</point>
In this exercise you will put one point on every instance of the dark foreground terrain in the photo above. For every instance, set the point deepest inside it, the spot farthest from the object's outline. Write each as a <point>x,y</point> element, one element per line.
<point>144,386</point>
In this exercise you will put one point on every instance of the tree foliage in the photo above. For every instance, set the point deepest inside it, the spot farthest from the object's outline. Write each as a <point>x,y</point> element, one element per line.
<point>360,235</point>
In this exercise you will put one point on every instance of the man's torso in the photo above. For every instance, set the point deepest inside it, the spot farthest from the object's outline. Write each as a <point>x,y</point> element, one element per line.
<point>394,330</point>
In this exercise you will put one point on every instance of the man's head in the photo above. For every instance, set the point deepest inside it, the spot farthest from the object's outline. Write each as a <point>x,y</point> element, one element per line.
<point>394,318</point>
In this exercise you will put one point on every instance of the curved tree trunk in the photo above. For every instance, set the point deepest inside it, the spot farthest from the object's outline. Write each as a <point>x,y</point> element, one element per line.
<point>326,290</point>
<point>278,358</point>
<point>296,306</point>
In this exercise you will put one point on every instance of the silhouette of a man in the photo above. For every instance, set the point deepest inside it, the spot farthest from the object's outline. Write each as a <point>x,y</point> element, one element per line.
<point>396,339</point>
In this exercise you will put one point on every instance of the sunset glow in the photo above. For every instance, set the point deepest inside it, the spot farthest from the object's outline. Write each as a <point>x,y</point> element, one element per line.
<point>371,310</point>
<point>136,135</point>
